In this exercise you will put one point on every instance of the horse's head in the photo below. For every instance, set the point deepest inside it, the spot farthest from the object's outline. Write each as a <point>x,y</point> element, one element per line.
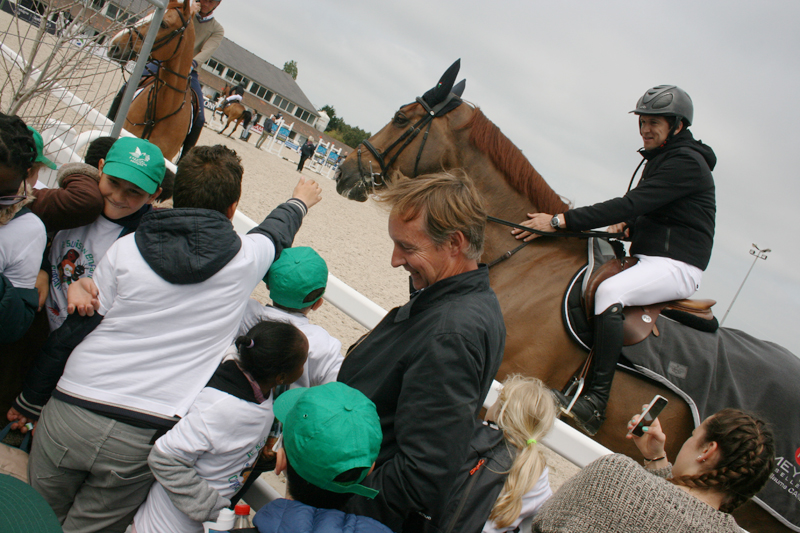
<point>173,34</point>
<point>418,140</point>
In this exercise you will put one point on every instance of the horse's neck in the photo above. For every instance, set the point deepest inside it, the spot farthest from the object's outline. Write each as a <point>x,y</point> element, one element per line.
<point>502,201</point>
<point>178,67</point>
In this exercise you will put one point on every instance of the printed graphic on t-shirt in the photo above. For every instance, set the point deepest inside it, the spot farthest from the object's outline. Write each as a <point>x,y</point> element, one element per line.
<point>76,262</point>
<point>236,481</point>
<point>70,269</point>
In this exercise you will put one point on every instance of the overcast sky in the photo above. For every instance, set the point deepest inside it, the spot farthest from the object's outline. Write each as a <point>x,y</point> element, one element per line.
<point>559,79</point>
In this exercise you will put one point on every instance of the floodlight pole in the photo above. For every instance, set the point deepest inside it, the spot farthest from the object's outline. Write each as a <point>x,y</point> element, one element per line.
<point>758,254</point>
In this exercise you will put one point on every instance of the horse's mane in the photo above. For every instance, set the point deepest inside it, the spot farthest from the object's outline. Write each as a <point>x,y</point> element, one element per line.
<point>518,171</point>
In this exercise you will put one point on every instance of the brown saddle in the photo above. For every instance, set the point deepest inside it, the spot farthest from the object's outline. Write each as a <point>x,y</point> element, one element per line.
<point>640,321</point>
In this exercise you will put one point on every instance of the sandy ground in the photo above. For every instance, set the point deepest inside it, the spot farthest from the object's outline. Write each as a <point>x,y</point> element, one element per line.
<point>351,236</point>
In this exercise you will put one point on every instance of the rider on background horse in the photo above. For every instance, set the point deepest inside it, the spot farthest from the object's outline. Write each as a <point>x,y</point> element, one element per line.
<point>208,34</point>
<point>669,217</point>
<point>235,95</point>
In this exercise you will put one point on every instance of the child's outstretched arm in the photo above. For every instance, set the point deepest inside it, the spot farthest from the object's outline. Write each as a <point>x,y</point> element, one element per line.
<point>82,296</point>
<point>308,191</point>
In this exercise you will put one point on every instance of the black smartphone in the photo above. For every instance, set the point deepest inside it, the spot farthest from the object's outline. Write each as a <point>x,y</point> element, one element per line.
<point>649,414</point>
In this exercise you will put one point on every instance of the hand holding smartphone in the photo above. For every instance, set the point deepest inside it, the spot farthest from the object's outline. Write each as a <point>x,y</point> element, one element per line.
<point>649,414</point>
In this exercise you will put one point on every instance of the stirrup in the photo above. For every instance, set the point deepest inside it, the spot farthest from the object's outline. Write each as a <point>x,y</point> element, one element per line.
<point>577,386</point>
<point>589,422</point>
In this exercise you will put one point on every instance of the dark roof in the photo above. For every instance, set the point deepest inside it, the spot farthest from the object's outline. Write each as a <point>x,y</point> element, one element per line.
<point>256,69</point>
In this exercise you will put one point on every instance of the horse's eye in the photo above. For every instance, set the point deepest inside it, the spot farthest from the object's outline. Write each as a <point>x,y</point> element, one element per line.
<point>164,26</point>
<point>400,119</point>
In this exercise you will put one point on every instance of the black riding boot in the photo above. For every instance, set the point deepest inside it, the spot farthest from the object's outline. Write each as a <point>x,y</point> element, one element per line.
<point>589,410</point>
<point>112,112</point>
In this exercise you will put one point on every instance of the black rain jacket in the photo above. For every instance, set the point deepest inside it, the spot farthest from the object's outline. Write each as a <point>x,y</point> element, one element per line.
<point>672,211</point>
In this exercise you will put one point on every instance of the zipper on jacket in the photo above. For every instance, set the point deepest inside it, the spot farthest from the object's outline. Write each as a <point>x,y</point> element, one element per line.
<point>465,495</point>
<point>666,244</point>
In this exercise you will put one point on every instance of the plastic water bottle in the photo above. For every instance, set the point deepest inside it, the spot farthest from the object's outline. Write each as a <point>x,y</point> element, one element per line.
<point>223,524</point>
<point>242,521</point>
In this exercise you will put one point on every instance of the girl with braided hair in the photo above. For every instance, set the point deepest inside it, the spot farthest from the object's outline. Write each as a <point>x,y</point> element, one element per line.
<point>725,462</point>
<point>22,234</point>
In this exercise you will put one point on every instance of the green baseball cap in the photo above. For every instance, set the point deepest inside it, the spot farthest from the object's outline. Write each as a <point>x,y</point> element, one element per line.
<point>23,510</point>
<point>40,158</point>
<point>137,161</point>
<point>296,273</point>
<point>328,430</point>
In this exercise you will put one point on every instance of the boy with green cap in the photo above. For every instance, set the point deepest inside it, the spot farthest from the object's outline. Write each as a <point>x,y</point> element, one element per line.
<point>296,283</point>
<point>332,436</point>
<point>129,179</point>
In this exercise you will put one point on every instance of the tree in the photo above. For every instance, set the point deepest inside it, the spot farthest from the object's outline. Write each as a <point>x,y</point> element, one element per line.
<point>291,68</point>
<point>341,130</point>
<point>335,122</point>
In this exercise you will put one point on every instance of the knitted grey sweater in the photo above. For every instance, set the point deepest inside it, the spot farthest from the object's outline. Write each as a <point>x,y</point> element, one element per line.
<point>615,494</point>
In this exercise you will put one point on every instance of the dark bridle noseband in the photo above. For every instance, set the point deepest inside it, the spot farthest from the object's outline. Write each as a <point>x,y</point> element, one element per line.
<point>373,179</point>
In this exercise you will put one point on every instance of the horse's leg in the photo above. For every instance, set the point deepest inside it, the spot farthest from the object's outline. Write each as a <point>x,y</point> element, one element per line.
<point>235,125</point>
<point>226,126</point>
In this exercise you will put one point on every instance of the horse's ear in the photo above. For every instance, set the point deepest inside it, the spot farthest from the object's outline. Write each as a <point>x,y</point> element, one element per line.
<point>187,8</point>
<point>442,89</point>
<point>458,88</point>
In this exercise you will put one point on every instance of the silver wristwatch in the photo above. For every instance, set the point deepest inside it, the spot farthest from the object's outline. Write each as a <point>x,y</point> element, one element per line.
<point>554,222</point>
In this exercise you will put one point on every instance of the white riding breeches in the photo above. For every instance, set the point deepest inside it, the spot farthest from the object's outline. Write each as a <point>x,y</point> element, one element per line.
<point>234,98</point>
<point>651,280</point>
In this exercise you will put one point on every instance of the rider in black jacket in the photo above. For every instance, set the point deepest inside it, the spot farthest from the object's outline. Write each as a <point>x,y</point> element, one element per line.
<point>669,217</point>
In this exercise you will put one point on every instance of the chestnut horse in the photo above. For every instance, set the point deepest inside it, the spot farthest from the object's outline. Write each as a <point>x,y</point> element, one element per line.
<point>530,284</point>
<point>162,112</point>
<point>234,111</point>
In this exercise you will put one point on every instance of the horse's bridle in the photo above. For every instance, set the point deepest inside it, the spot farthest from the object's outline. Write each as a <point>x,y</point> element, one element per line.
<point>373,179</point>
<point>162,41</point>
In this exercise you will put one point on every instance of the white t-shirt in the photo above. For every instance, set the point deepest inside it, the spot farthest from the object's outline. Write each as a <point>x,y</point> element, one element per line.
<point>531,502</point>
<point>324,351</point>
<point>223,436</point>
<point>74,254</point>
<point>159,343</point>
<point>22,243</point>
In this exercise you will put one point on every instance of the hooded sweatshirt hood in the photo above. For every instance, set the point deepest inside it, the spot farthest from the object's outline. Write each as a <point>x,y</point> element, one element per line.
<point>187,245</point>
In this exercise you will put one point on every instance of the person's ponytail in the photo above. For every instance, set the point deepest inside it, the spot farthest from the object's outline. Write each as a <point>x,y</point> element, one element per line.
<point>526,416</point>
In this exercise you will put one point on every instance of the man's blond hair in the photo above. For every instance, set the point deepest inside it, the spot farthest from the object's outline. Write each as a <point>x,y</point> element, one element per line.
<point>449,202</point>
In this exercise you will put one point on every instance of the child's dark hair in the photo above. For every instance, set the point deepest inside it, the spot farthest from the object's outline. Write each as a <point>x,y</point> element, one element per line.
<point>17,148</point>
<point>97,150</point>
<point>312,296</point>
<point>167,186</point>
<point>304,492</point>
<point>208,177</point>
<point>271,348</point>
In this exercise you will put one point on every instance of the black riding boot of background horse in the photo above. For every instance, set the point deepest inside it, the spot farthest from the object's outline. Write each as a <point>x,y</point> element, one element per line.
<point>589,411</point>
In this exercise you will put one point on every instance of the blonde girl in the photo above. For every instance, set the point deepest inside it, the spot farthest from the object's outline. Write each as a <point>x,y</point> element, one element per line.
<point>525,412</point>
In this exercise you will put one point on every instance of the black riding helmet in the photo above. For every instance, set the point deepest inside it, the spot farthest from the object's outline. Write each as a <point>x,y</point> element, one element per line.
<point>666,100</point>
